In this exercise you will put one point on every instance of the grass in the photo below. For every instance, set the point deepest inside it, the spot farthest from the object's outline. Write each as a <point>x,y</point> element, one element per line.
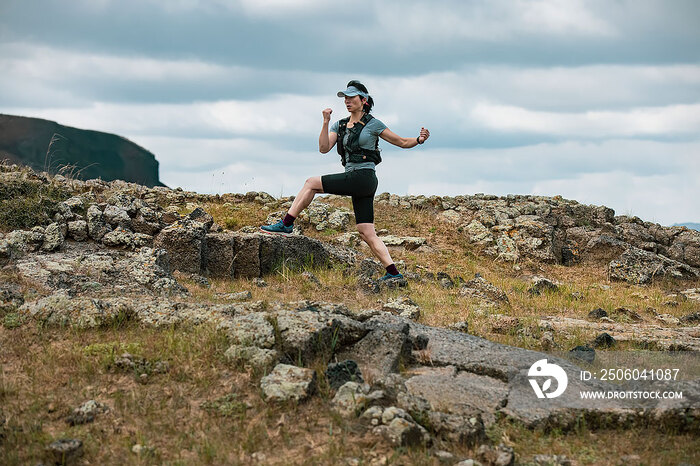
<point>25,203</point>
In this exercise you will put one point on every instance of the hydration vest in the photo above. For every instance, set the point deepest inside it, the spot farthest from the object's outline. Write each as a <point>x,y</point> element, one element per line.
<point>356,154</point>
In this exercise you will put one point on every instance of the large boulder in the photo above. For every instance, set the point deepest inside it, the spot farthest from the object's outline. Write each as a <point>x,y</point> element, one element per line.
<point>641,267</point>
<point>185,242</point>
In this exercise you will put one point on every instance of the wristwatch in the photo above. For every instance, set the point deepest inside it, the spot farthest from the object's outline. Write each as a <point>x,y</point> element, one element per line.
<point>418,140</point>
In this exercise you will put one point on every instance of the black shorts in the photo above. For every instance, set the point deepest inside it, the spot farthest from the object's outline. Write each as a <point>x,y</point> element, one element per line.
<point>360,184</point>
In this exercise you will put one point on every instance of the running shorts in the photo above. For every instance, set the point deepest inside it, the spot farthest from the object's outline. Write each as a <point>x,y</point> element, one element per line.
<point>360,184</point>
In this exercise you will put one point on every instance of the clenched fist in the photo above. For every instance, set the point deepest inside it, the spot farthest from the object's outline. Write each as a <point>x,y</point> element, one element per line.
<point>327,114</point>
<point>424,134</point>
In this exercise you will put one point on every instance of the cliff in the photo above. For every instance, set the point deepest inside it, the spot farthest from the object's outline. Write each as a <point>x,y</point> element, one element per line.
<point>47,145</point>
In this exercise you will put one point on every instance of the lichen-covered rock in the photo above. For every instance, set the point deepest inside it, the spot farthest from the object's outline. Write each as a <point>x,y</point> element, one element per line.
<point>78,230</point>
<point>259,358</point>
<point>641,267</point>
<point>97,227</point>
<point>250,330</point>
<point>287,382</point>
<point>403,306</point>
<point>86,412</point>
<point>53,237</point>
<point>62,309</point>
<point>64,451</point>
<point>351,398</point>
<point>116,217</point>
<point>479,287</point>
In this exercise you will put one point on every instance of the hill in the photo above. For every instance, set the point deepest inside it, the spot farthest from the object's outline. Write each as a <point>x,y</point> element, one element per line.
<point>156,325</point>
<point>47,145</point>
<point>694,226</point>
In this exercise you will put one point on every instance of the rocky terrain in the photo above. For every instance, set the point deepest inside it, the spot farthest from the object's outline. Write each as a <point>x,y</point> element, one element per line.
<point>95,255</point>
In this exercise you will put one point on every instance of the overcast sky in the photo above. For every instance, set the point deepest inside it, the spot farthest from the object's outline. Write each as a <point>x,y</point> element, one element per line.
<point>597,101</point>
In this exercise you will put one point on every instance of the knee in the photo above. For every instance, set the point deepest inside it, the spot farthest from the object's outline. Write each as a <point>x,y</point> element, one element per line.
<point>311,184</point>
<point>367,235</point>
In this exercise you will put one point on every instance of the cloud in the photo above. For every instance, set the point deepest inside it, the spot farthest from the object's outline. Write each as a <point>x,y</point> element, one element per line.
<point>655,121</point>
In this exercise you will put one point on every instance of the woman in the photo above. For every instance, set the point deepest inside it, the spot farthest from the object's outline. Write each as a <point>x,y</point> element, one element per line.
<point>357,139</point>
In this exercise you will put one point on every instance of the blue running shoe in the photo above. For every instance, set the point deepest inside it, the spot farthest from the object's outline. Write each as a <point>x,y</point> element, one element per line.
<point>277,229</point>
<point>389,276</point>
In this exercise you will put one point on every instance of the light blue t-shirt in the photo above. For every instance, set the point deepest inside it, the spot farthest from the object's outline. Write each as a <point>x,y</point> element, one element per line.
<point>368,140</point>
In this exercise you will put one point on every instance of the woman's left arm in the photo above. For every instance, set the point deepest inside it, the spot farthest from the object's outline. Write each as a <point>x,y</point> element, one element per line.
<point>404,143</point>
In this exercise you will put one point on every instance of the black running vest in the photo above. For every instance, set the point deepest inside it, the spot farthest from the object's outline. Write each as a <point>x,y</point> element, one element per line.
<point>356,154</point>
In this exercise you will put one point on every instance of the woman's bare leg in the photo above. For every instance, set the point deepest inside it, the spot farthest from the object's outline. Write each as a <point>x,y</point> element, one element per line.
<point>311,187</point>
<point>377,246</point>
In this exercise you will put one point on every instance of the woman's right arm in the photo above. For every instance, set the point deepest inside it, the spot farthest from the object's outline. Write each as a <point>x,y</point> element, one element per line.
<point>326,141</point>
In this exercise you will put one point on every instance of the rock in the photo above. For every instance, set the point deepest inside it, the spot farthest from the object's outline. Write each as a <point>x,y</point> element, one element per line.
<point>381,350</point>
<point>287,382</point>
<point>199,215</point>
<point>640,267</point>
<point>119,237</point>
<point>184,241</point>
<point>306,331</point>
<point>403,306</point>
<point>583,353</point>
<point>337,374</point>
<point>468,462</point>
<point>628,315</point>
<point>367,285</point>
<point>479,287</point>
<point>253,356</point>
<point>668,319</point>
<point>348,240</point>
<point>402,432</point>
<point>220,255</point>
<point>64,451</point>
<point>462,394</point>
<point>596,314</point>
<point>551,460</point>
<point>478,233</point>
<point>78,230</point>
<point>444,456</point>
<point>237,296</point>
<point>541,284</point>
<point>252,329</point>
<point>350,399</point>
<point>339,220</point>
<point>53,237</point>
<point>117,217</point>
<point>604,340</point>
<point>686,247</point>
<point>505,325</point>
<point>507,249</point>
<point>692,318</point>
<point>496,456</point>
<point>450,216</point>
<point>97,227</point>
<point>408,242</point>
<point>460,326</point>
<point>692,294</point>
<point>445,280</point>
<point>86,412</point>
<point>61,309</point>
<point>547,342</point>
<point>369,268</point>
